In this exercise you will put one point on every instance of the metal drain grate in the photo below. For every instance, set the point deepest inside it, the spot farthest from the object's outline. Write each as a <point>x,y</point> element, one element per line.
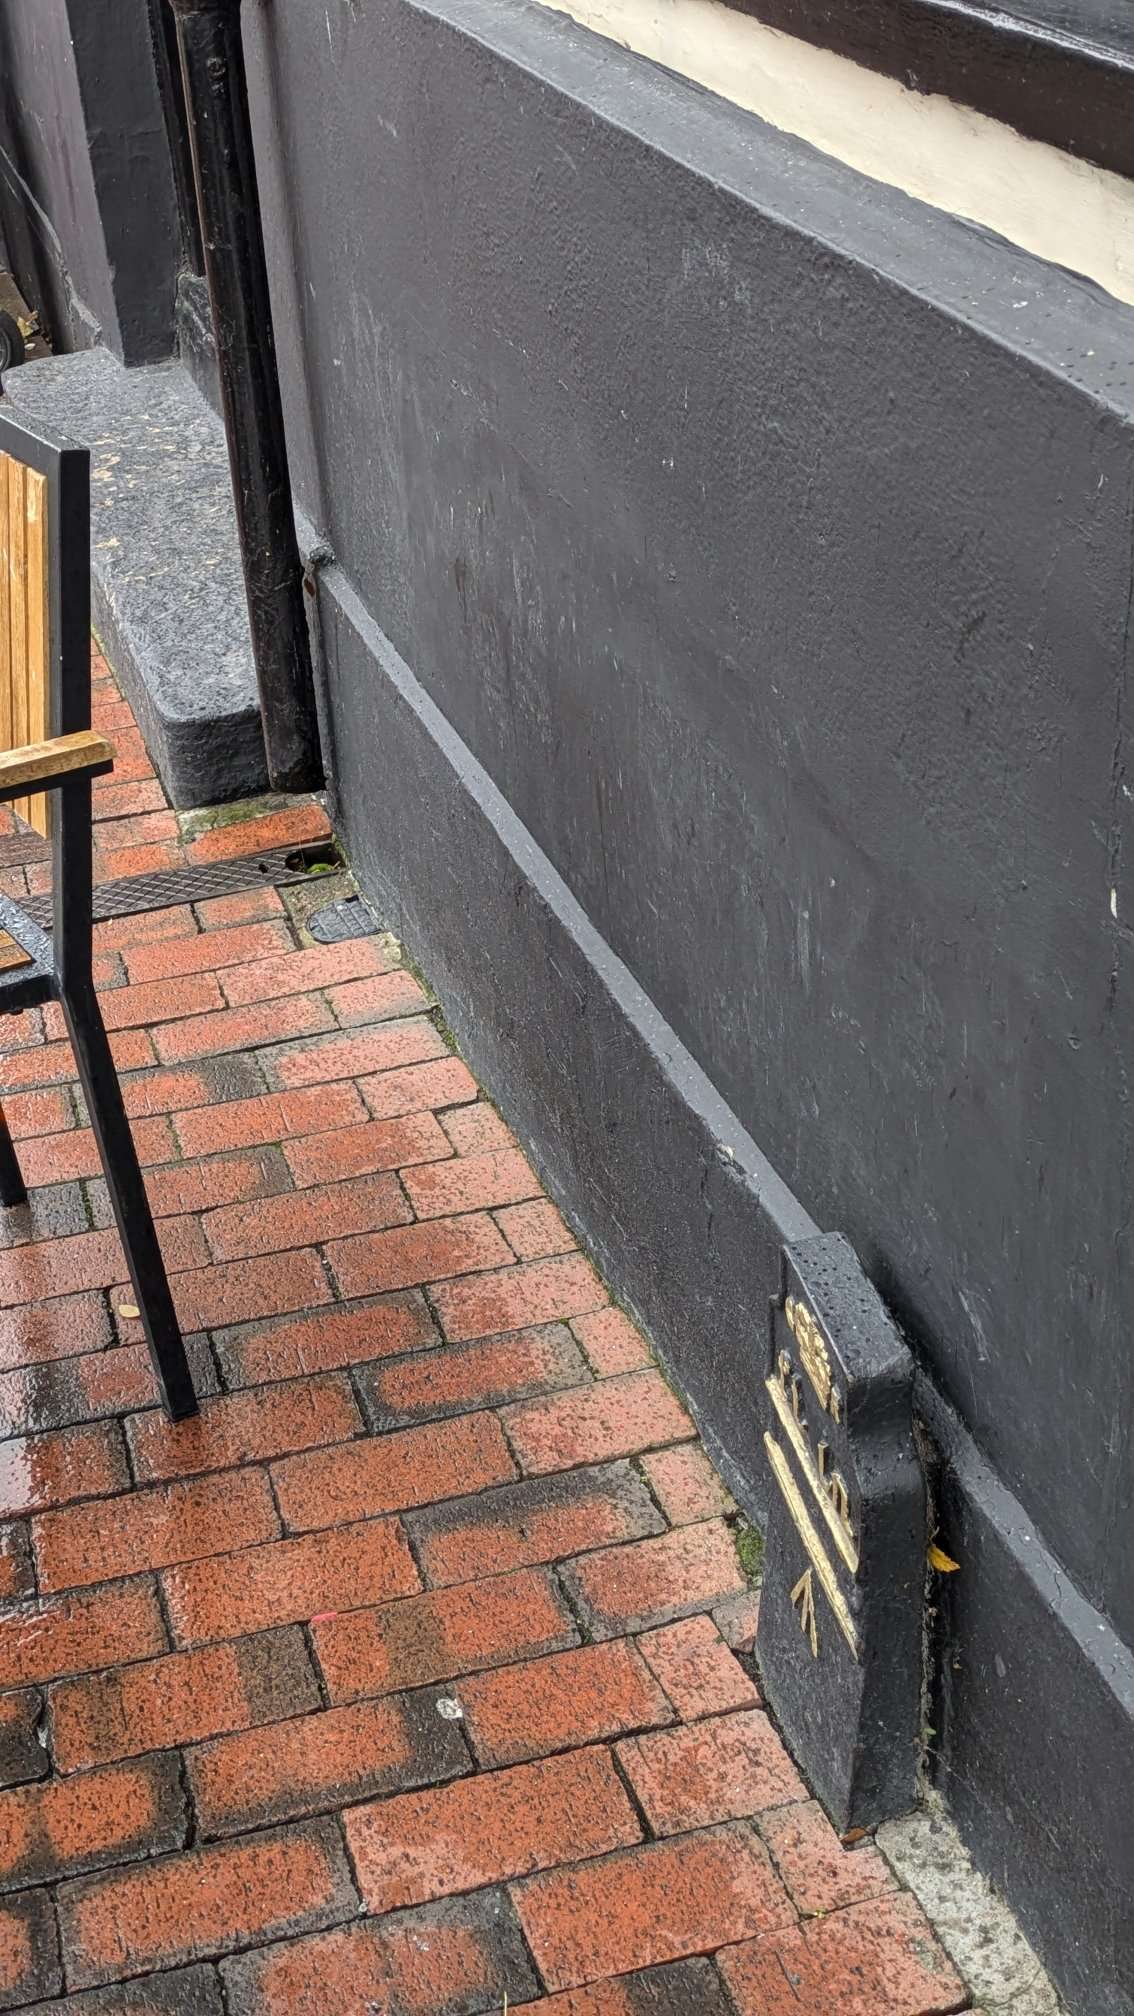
<point>339,921</point>
<point>16,849</point>
<point>182,885</point>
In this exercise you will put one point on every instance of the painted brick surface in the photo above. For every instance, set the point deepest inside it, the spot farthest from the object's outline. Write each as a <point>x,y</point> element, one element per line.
<point>876,1959</point>
<point>462,1957</point>
<point>658,1902</point>
<point>29,1950</point>
<point>505,1823</point>
<point>181,1698</point>
<point>541,1519</point>
<point>323,1761</point>
<point>211,1899</point>
<point>289,1581</point>
<point>571,1698</point>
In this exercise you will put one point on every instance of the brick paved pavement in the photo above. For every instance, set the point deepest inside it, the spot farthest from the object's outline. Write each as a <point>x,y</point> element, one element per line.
<point>402,1680</point>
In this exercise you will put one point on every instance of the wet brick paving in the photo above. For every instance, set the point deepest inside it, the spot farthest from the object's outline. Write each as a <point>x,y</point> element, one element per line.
<point>409,1678</point>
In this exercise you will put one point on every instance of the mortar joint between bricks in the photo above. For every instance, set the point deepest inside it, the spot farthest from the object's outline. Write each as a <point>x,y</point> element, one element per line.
<point>111,1320</point>
<point>192,1825</point>
<point>397,1176</point>
<point>329,1275</point>
<point>131,1465</point>
<point>222,1991</point>
<point>407,1525</point>
<point>254,1058</point>
<point>35,1594</point>
<point>215,1354</point>
<point>266,1471</point>
<point>60,1952</point>
<point>538,1975</point>
<point>321,1688</point>
<point>367,1430</point>
<point>158,1586</point>
<point>88,1206</point>
<point>352,1867</point>
<point>503,1425</point>
<point>728,1999</point>
<point>42,1726</point>
<point>213,1358</point>
<point>571,1605</point>
<point>637,1465</point>
<point>624,1780</point>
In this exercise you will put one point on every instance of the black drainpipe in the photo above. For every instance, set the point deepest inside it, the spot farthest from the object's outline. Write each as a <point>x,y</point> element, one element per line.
<point>224,168</point>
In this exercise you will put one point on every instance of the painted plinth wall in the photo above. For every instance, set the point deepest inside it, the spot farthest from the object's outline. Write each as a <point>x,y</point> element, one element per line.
<point>738,556</point>
<point>726,647</point>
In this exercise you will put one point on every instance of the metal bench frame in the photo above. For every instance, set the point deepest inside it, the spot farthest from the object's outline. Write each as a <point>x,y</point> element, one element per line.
<point>59,964</point>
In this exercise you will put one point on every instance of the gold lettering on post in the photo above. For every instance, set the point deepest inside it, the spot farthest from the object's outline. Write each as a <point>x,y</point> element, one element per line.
<point>792,1386</point>
<point>803,1600</point>
<point>812,1545</point>
<point>815,1356</point>
<point>818,1479</point>
<point>816,1362</point>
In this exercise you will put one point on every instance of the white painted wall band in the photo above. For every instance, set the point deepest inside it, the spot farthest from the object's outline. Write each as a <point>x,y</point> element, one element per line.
<point>1063,209</point>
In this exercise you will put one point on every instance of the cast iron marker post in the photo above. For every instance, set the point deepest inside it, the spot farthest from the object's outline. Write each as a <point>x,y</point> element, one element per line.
<point>224,167</point>
<point>839,1641</point>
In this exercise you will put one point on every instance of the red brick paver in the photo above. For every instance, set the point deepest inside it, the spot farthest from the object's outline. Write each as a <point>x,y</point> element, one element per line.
<point>400,1679</point>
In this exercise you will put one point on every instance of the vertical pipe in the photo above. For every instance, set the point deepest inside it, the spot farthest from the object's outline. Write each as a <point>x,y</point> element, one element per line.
<point>216,100</point>
<point>167,63</point>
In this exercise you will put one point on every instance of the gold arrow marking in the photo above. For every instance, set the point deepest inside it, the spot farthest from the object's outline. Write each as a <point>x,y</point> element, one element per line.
<point>840,1530</point>
<point>801,1519</point>
<point>803,1599</point>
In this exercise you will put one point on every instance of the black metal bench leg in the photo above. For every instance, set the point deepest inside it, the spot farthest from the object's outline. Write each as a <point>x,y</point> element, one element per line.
<point>103,1094</point>
<point>13,1189</point>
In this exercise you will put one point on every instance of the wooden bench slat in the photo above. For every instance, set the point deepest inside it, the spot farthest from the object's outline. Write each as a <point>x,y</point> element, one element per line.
<point>45,763</point>
<point>6,736</point>
<point>28,755</point>
<point>18,578</point>
<point>37,807</point>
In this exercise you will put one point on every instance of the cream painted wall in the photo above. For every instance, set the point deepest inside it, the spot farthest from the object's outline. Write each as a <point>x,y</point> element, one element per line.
<point>1063,209</point>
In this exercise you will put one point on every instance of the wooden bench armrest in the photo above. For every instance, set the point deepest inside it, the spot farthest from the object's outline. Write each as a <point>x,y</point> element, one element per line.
<point>40,765</point>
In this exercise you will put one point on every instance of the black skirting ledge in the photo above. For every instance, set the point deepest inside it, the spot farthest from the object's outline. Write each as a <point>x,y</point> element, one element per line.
<point>1056,70</point>
<point>686,1217</point>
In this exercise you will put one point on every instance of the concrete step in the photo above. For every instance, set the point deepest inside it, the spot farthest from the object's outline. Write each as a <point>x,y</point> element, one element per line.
<point>167,589</point>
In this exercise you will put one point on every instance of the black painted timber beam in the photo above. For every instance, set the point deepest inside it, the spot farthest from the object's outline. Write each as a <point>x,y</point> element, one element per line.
<point>224,168</point>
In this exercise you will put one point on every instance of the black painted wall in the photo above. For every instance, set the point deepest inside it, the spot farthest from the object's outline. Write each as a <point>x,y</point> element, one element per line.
<point>727,652</point>
<point>787,601</point>
<point>86,186</point>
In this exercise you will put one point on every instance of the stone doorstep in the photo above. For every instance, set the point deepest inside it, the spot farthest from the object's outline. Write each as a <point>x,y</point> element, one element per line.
<point>166,583</point>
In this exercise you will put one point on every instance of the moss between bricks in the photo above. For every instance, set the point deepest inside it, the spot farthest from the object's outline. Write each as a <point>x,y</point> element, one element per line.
<point>749,1543</point>
<point>208,818</point>
<point>437,1018</point>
